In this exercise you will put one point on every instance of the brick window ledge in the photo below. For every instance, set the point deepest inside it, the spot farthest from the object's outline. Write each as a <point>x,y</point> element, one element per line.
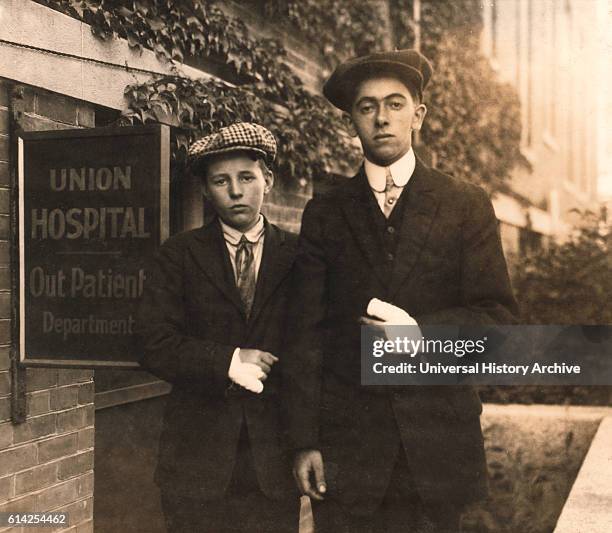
<point>131,393</point>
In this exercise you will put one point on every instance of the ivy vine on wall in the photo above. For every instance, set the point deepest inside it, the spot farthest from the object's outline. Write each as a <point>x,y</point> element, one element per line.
<point>311,134</point>
<point>473,123</point>
<point>340,28</point>
<point>308,144</point>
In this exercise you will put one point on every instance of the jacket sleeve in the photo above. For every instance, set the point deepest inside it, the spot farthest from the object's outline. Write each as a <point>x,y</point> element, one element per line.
<point>486,292</point>
<point>166,350</point>
<point>307,316</point>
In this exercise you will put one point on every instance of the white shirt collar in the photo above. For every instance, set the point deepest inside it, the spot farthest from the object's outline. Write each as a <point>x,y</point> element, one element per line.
<point>233,236</point>
<point>401,171</point>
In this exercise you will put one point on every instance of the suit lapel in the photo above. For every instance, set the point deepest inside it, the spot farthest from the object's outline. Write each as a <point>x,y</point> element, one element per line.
<point>419,213</point>
<point>357,210</point>
<point>276,261</point>
<point>210,253</point>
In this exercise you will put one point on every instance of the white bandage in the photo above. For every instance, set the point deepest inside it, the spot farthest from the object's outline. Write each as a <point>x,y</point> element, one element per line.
<point>247,375</point>
<point>390,313</point>
<point>392,316</point>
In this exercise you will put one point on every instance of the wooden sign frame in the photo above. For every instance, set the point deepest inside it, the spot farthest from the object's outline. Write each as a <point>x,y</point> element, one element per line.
<point>57,229</point>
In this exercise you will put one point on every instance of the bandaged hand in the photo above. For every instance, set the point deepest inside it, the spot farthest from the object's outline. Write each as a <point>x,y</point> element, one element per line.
<point>247,375</point>
<point>386,316</point>
<point>389,313</point>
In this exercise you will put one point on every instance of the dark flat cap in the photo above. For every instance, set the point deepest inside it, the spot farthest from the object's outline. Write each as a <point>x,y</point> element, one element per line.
<point>241,136</point>
<point>410,66</point>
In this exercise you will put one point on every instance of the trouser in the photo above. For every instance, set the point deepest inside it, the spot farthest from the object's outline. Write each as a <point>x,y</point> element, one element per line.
<point>243,508</point>
<point>401,510</point>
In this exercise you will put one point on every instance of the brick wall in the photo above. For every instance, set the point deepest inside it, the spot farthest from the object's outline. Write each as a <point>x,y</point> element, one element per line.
<point>284,208</point>
<point>46,463</point>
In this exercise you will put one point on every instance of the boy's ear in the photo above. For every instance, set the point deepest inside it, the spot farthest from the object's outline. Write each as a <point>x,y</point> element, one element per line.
<point>419,117</point>
<point>269,179</point>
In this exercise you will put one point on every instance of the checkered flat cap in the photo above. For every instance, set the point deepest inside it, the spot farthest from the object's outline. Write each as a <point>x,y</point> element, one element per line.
<point>239,136</point>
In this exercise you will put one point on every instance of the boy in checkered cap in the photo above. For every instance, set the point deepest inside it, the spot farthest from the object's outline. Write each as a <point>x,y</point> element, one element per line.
<point>211,323</point>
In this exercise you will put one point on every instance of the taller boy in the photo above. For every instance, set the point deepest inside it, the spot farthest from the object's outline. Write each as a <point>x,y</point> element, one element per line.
<point>377,459</point>
<point>211,323</point>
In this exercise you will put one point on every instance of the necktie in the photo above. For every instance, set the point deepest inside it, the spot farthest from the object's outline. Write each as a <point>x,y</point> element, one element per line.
<point>391,193</point>
<point>245,273</point>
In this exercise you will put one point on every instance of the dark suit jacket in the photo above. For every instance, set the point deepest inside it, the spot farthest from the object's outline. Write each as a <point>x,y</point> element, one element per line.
<point>448,269</point>
<point>190,321</point>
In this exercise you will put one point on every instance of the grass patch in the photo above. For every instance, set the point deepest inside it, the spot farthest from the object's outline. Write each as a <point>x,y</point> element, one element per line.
<point>533,462</point>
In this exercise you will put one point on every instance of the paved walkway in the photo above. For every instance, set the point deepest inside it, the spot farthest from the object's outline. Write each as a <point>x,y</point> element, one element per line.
<point>588,508</point>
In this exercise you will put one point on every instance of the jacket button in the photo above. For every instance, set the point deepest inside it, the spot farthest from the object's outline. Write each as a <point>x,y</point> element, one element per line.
<point>390,257</point>
<point>391,230</point>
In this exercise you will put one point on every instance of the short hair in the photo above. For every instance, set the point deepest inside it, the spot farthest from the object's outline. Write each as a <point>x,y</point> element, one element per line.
<point>200,167</point>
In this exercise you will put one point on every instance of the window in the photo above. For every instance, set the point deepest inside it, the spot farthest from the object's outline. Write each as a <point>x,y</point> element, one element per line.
<point>529,241</point>
<point>530,59</point>
<point>517,37</point>
<point>571,111</point>
<point>551,66</point>
<point>552,94</point>
<point>494,36</point>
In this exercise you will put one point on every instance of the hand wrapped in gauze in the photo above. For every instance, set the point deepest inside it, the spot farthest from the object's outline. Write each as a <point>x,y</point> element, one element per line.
<point>246,375</point>
<point>392,316</point>
<point>390,313</point>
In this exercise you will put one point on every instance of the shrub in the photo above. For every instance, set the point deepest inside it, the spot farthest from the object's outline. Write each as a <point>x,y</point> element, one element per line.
<point>569,282</point>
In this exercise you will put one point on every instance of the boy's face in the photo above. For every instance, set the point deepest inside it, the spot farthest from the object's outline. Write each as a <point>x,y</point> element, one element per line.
<point>384,115</point>
<point>236,184</point>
